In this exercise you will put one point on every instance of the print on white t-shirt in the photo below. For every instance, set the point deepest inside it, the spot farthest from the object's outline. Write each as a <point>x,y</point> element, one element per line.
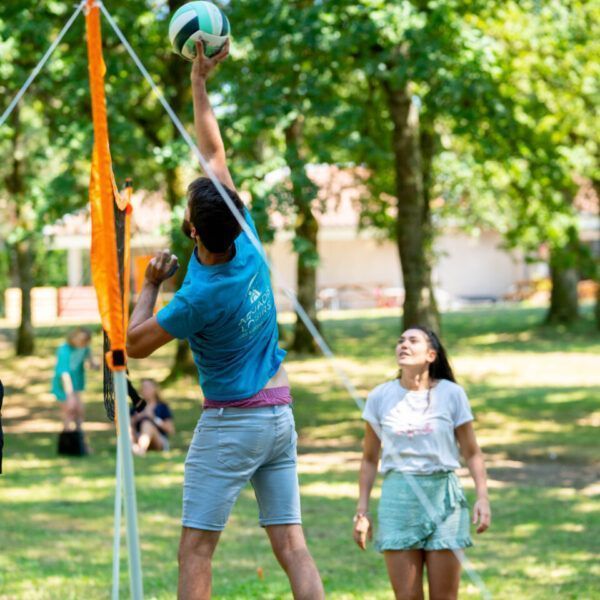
<point>404,420</point>
<point>419,426</point>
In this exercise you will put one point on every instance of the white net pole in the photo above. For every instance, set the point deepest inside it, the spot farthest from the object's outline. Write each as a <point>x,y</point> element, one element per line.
<point>117,525</point>
<point>133,541</point>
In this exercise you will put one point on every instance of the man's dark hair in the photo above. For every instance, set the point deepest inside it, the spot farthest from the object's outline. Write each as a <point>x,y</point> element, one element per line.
<point>214,222</point>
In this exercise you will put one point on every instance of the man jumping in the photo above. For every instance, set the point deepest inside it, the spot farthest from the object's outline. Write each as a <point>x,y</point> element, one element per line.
<point>225,309</point>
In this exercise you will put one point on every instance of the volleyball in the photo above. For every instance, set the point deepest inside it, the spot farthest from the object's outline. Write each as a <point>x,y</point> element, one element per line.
<point>198,21</point>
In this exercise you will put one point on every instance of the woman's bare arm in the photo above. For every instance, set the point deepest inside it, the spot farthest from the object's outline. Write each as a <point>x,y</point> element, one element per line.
<point>471,452</point>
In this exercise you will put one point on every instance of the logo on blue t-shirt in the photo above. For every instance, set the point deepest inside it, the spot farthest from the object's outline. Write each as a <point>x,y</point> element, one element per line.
<point>253,293</point>
<point>261,300</point>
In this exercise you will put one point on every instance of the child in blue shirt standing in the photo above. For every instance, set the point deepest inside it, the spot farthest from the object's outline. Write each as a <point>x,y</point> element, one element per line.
<point>69,376</point>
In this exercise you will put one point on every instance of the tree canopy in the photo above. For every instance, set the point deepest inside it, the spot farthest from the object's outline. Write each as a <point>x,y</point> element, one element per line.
<point>482,112</point>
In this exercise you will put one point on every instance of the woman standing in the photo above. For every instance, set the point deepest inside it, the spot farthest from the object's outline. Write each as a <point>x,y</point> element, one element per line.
<point>423,417</point>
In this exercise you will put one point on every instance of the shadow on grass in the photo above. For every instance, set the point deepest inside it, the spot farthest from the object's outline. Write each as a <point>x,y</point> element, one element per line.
<point>56,529</point>
<point>529,421</point>
<point>540,545</point>
<point>493,329</point>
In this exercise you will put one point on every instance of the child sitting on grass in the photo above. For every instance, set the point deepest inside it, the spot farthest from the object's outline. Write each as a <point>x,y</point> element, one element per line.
<point>151,428</point>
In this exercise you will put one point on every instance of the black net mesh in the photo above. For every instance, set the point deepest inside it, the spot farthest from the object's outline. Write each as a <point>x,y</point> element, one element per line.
<point>109,390</point>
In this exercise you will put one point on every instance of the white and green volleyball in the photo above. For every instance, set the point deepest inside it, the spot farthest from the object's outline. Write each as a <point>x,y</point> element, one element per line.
<point>197,21</point>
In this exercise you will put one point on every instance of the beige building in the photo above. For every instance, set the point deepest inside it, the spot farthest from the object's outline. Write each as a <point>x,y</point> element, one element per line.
<point>357,268</point>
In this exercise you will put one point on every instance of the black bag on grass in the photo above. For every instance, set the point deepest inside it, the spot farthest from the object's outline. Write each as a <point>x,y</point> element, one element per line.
<point>72,443</point>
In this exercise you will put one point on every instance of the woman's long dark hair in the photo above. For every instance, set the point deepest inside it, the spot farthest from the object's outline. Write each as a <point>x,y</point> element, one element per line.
<point>440,368</point>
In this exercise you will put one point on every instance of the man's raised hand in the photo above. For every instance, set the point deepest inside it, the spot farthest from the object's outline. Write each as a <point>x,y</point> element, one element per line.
<point>161,267</point>
<point>202,65</point>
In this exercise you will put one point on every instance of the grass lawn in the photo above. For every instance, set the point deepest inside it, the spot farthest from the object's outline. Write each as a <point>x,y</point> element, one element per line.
<point>534,392</point>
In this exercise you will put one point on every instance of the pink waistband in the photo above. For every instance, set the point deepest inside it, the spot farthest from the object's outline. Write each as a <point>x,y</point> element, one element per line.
<point>275,396</point>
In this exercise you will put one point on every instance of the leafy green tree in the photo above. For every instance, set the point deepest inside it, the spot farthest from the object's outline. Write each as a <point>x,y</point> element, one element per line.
<point>282,93</point>
<point>34,171</point>
<point>421,74</point>
<point>503,89</point>
<point>548,78</point>
<point>50,135</point>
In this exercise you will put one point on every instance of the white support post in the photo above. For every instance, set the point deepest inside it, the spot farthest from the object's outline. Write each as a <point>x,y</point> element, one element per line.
<point>74,267</point>
<point>124,443</point>
<point>117,525</point>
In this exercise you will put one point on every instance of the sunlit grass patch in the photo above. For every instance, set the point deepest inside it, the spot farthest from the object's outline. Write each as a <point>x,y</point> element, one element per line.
<point>534,392</point>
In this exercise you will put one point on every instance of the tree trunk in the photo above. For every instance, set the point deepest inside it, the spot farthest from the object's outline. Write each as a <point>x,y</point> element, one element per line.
<point>178,77</point>
<point>24,262</point>
<point>596,184</point>
<point>183,362</point>
<point>564,304</point>
<point>23,255</point>
<point>413,226</point>
<point>303,340</point>
<point>305,238</point>
<point>428,144</point>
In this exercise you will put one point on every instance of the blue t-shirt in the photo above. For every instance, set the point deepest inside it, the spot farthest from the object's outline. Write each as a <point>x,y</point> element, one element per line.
<point>69,359</point>
<point>227,313</point>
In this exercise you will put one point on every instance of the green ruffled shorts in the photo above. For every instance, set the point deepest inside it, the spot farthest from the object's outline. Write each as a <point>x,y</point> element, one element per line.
<point>405,524</point>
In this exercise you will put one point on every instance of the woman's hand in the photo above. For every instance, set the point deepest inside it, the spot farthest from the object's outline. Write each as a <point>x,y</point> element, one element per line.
<point>482,514</point>
<point>203,66</point>
<point>363,530</point>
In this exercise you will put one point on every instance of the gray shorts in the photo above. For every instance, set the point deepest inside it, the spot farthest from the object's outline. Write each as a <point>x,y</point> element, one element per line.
<point>232,446</point>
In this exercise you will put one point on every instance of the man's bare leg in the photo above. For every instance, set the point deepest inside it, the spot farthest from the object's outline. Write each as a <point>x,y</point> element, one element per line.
<point>290,548</point>
<point>196,550</point>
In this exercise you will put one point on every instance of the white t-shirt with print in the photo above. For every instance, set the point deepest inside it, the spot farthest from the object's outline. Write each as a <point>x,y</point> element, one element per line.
<point>420,433</point>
